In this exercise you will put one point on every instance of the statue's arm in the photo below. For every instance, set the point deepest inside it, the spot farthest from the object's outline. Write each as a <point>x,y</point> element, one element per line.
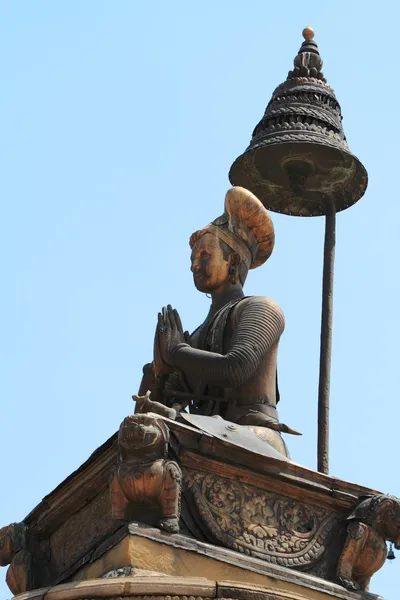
<point>260,323</point>
<point>161,388</point>
<point>175,383</point>
<point>150,382</point>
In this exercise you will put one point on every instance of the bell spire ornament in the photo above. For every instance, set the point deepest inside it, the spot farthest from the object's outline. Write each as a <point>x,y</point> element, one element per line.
<point>298,163</point>
<point>298,153</point>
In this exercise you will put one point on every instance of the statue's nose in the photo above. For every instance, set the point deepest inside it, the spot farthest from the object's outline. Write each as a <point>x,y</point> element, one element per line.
<point>195,268</point>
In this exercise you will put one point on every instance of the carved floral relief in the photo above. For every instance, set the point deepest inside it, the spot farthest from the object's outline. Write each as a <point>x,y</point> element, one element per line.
<point>274,528</point>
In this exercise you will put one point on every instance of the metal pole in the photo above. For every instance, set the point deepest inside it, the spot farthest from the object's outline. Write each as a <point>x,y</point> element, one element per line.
<point>326,338</point>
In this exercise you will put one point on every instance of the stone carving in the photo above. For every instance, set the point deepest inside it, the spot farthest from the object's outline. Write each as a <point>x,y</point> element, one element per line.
<point>144,474</point>
<point>14,552</point>
<point>277,529</point>
<point>374,521</point>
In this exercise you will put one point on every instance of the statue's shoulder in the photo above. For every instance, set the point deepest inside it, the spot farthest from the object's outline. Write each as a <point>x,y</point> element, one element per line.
<point>262,302</point>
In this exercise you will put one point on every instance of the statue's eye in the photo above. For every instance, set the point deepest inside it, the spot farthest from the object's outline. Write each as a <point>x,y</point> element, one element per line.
<point>147,437</point>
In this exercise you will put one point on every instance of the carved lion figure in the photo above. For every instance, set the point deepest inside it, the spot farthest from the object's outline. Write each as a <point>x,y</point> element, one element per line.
<point>13,552</point>
<point>374,521</point>
<point>145,474</point>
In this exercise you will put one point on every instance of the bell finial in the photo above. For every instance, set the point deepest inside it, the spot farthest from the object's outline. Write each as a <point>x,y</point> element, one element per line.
<point>308,62</point>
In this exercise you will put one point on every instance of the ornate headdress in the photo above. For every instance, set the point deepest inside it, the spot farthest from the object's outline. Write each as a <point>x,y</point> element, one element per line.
<point>245,226</point>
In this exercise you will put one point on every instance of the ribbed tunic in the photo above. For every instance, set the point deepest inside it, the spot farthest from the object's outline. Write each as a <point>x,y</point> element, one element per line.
<point>246,370</point>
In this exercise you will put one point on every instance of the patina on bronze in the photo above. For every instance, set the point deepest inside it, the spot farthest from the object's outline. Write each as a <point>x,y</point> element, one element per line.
<point>144,474</point>
<point>247,522</point>
<point>375,521</point>
<point>298,155</point>
<point>15,551</point>
<point>227,367</point>
<point>298,163</point>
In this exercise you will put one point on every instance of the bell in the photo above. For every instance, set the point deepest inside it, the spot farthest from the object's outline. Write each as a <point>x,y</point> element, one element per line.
<point>390,554</point>
<point>298,155</point>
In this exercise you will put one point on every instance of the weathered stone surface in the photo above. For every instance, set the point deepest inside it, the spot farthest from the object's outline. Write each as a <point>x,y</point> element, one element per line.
<point>185,588</point>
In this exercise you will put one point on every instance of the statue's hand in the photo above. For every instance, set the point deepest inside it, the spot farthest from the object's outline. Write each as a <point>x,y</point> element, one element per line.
<point>170,333</point>
<point>160,367</point>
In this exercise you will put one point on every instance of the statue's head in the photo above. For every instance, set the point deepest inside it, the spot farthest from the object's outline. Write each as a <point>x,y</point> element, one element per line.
<point>214,264</point>
<point>143,435</point>
<point>382,512</point>
<point>6,545</point>
<point>388,519</point>
<point>241,239</point>
<point>12,540</point>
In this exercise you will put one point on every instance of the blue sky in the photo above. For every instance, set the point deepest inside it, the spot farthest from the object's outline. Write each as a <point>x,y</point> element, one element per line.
<point>119,122</point>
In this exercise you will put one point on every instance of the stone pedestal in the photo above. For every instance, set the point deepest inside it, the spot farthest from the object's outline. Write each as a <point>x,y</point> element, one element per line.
<point>252,527</point>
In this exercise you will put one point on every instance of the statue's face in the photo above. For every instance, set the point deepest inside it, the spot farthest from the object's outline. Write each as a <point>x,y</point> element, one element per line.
<point>136,432</point>
<point>209,266</point>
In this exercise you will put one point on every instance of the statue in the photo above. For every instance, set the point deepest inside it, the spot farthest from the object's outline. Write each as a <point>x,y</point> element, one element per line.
<point>144,473</point>
<point>373,522</point>
<point>14,552</point>
<point>227,367</point>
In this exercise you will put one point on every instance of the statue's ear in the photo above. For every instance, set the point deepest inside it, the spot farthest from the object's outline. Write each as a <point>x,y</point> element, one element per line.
<point>235,259</point>
<point>234,266</point>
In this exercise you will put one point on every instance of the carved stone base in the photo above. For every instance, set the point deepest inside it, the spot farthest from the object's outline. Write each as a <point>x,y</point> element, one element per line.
<point>180,557</point>
<point>212,577</point>
<point>244,516</point>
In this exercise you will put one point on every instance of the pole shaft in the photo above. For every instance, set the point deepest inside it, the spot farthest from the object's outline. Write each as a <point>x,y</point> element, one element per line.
<point>326,338</point>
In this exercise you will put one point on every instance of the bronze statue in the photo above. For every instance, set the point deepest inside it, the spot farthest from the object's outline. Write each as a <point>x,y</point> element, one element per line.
<point>373,522</point>
<point>227,367</point>
<point>144,474</point>
<point>14,552</point>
